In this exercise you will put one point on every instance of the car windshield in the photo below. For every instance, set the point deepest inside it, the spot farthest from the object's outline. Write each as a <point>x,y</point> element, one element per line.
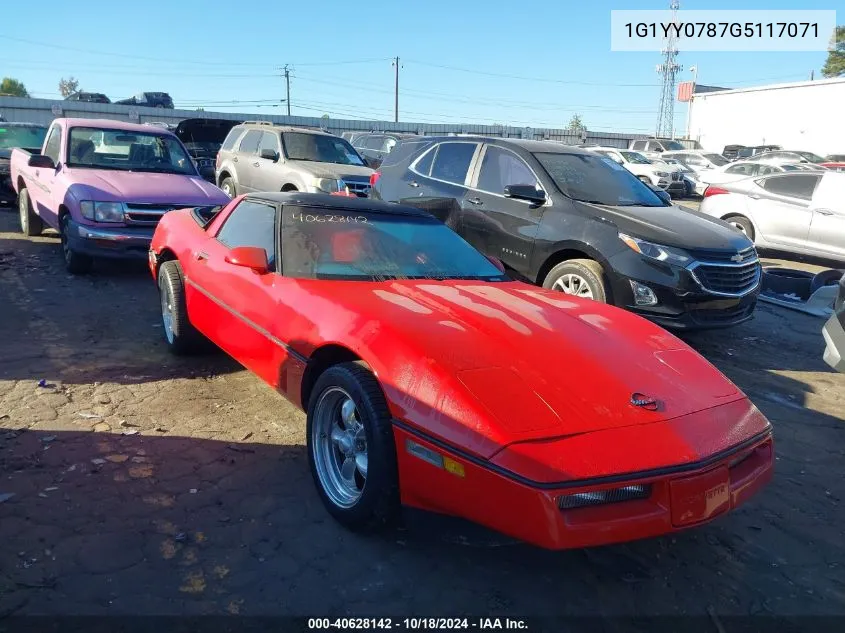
<point>813,158</point>
<point>27,136</point>
<point>355,245</point>
<point>320,148</point>
<point>835,158</point>
<point>124,150</point>
<point>597,179</point>
<point>716,159</point>
<point>635,157</point>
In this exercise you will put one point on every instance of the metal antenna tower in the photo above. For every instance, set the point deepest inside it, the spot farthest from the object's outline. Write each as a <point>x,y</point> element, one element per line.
<point>669,70</point>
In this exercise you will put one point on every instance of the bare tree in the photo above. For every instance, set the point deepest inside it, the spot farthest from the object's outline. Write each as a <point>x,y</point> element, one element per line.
<point>68,86</point>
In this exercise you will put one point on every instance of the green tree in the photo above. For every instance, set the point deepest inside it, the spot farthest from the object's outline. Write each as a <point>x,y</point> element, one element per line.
<point>325,116</point>
<point>835,64</point>
<point>68,86</point>
<point>576,124</point>
<point>12,88</point>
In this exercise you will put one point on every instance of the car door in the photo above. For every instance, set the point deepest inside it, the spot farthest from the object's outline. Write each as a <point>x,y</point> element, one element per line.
<point>245,158</point>
<point>827,227</point>
<point>502,227</point>
<point>265,171</point>
<point>232,305</point>
<point>437,180</point>
<point>779,205</point>
<point>43,200</point>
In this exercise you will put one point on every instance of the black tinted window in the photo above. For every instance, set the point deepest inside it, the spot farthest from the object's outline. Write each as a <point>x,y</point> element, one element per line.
<point>269,140</point>
<point>597,179</point>
<point>501,168</point>
<point>424,165</point>
<point>231,137</point>
<point>54,144</point>
<point>251,224</point>
<point>792,185</point>
<point>452,162</point>
<point>249,144</point>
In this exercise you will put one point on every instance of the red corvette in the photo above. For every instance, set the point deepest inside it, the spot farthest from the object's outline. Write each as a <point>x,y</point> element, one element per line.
<point>560,421</point>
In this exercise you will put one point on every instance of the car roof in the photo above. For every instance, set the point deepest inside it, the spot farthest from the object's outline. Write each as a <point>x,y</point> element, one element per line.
<point>23,124</point>
<point>544,147</point>
<point>328,201</point>
<point>257,125</point>
<point>112,124</point>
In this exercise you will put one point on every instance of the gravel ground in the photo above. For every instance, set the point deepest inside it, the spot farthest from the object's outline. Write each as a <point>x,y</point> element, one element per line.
<point>147,485</point>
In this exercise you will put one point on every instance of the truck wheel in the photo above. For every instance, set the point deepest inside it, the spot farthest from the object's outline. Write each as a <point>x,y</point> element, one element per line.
<point>182,338</point>
<point>75,263</point>
<point>579,277</point>
<point>228,187</point>
<point>31,224</point>
<point>349,422</point>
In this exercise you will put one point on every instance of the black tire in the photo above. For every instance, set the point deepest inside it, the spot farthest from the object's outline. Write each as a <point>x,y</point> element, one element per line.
<point>31,224</point>
<point>379,502</point>
<point>182,338</point>
<point>587,270</point>
<point>228,187</point>
<point>741,223</point>
<point>75,263</point>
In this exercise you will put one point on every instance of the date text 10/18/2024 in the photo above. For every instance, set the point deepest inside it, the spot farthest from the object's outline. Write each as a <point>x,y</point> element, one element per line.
<point>414,624</point>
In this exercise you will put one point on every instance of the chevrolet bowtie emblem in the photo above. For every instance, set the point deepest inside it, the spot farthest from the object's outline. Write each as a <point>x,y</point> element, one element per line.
<point>737,258</point>
<point>644,401</point>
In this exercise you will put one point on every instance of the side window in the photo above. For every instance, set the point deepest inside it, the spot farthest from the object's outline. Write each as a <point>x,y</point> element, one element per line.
<point>233,135</point>
<point>251,224</point>
<point>501,168</point>
<point>791,185</point>
<point>638,145</point>
<point>654,146</point>
<point>452,162</point>
<point>269,140</point>
<point>764,170</point>
<point>249,143</point>
<point>373,142</point>
<point>740,169</point>
<point>54,144</point>
<point>424,165</point>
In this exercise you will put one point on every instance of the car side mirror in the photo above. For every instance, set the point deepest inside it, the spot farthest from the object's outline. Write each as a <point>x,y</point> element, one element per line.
<point>497,263</point>
<point>250,257</point>
<point>525,192</point>
<point>39,160</point>
<point>270,154</point>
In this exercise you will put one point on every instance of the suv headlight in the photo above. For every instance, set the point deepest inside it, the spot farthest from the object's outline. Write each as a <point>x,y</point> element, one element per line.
<point>661,174</point>
<point>102,211</point>
<point>328,185</point>
<point>656,251</point>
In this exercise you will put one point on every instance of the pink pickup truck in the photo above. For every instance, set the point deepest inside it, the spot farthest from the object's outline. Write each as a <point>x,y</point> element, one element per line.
<point>104,185</point>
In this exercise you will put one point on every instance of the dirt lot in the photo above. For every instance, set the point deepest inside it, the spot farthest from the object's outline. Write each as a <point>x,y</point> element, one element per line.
<point>143,484</point>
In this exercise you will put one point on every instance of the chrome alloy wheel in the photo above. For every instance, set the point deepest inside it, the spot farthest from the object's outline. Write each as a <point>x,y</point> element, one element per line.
<point>573,284</point>
<point>340,447</point>
<point>167,310</point>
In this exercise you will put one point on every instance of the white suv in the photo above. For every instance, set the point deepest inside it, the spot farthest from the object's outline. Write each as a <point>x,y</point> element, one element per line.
<point>664,176</point>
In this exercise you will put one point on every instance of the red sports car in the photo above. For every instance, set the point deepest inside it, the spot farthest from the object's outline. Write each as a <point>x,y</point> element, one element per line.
<point>560,421</point>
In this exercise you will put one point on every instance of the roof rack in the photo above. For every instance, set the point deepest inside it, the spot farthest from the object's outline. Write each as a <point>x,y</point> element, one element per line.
<point>258,123</point>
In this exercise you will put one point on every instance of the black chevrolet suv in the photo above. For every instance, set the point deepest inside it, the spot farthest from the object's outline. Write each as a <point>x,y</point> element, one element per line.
<point>576,221</point>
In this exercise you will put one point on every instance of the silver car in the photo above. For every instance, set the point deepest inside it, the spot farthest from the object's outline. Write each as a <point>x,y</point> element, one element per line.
<point>799,212</point>
<point>834,332</point>
<point>260,156</point>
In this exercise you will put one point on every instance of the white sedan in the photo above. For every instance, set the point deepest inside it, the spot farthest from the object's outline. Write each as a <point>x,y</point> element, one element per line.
<point>800,212</point>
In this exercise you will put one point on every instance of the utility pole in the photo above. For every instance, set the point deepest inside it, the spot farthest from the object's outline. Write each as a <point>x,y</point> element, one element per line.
<point>668,70</point>
<point>287,86</point>
<point>396,91</point>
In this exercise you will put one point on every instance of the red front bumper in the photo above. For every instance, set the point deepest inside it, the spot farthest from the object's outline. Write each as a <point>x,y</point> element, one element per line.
<point>530,511</point>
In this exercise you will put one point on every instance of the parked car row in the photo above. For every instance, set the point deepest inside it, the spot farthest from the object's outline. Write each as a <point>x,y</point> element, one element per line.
<point>146,99</point>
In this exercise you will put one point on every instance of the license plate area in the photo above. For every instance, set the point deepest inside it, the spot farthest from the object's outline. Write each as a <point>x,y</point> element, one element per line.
<point>700,497</point>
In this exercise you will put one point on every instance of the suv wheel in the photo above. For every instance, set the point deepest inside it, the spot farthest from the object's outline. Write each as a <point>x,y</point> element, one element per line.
<point>228,187</point>
<point>579,277</point>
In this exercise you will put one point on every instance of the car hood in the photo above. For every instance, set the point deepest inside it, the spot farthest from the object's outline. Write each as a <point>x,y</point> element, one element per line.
<point>683,228</point>
<point>130,186</point>
<point>333,170</point>
<point>540,363</point>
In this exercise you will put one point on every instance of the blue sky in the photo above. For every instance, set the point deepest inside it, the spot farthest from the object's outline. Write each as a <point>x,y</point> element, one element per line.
<point>544,59</point>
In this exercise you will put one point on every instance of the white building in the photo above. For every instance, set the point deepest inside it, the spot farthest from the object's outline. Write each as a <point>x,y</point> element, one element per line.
<point>806,116</point>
